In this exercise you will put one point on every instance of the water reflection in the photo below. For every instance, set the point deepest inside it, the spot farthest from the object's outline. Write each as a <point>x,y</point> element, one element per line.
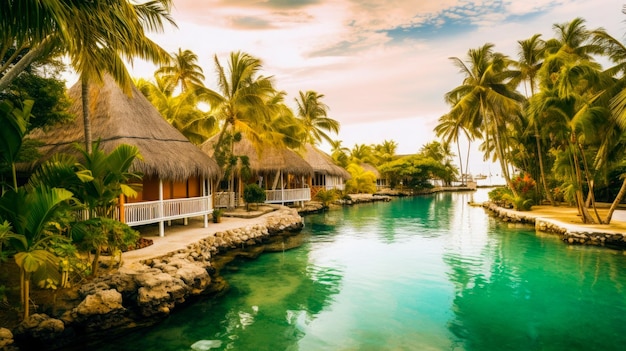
<point>518,292</point>
<point>424,273</point>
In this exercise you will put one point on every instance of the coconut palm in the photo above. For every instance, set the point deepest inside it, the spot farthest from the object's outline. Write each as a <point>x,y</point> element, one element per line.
<point>183,73</point>
<point>450,128</point>
<point>339,153</point>
<point>362,153</point>
<point>531,54</point>
<point>313,115</point>
<point>486,100</point>
<point>96,36</point>
<point>241,105</point>
<point>181,110</point>
<point>569,90</point>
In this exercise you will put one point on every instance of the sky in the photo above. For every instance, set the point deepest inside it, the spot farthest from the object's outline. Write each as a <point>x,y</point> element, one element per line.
<point>382,66</point>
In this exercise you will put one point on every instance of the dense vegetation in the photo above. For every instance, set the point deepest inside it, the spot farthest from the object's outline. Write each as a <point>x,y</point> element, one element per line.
<point>566,130</point>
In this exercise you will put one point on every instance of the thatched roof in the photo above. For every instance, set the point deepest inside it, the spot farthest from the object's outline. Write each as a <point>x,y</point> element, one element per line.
<point>322,163</point>
<point>270,159</point>
<point>117,118</point>
<point>368,167</point>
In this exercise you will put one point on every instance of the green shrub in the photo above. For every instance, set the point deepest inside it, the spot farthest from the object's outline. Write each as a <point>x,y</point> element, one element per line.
<point>326,197</point>
<point>253,193</point>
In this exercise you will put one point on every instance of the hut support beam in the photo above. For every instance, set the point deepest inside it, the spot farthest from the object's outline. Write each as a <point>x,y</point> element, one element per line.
<point>205,193</point>
<point>282,189</point>
<point>161,210</point>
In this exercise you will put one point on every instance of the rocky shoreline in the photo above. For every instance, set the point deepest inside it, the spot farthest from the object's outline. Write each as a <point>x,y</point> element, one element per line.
<point>570,234</point>
<point>145,292</point>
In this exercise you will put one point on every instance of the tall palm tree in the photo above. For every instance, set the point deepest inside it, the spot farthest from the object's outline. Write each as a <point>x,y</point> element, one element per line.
<point>487,100</point>
<point>361,153</point>
<point>181,111</point>
<point>184,71</point>
<point>313,115</point>
<point>531,54</point>
<point>569,90</point>
<point>96,36</point>
<point>242,102</point>
<point>339,153</point>
<point>450,129</point>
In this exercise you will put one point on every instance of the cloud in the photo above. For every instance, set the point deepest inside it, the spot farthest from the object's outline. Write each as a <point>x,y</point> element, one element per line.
<point>377,62</point>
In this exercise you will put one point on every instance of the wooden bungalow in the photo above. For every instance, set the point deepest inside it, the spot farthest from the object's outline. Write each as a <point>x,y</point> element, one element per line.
<point>327,175</point>
<point>177,174</point>
<point>280,171</point>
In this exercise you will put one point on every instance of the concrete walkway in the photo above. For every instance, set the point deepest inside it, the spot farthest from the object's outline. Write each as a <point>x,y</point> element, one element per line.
<point>178,236</point>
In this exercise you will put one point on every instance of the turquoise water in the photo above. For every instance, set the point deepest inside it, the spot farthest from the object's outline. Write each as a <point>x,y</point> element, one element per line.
<point>424,273</point>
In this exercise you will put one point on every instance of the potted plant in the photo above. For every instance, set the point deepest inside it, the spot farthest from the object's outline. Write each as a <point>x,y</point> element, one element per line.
<point>217,215</point>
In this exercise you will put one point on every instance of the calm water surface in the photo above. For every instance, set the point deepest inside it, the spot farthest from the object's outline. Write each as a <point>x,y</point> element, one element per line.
<point>424,273</point>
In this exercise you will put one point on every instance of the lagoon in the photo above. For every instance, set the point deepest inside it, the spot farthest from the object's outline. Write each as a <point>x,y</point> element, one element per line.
<point>420,273</point>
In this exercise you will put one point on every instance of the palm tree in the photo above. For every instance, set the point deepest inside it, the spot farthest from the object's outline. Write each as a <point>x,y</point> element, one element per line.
<point>567,98</point>
<point>313,115</point>
<point>124,24</point>
<point>96,36</point>
<point>450,129</point>
<point>183,73</point>
<point>181,111</point>
<point>531,54</point>
<point>339,153</point>
<point>385,151</point>
<point>242,102</point>
<point>485,98</point>
<point>361,153</point>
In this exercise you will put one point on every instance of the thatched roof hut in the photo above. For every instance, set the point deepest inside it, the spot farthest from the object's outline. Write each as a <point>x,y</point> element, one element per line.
<point>117,118</point>
<point>368,167</point>
<point>271,159</point>
<point>322,163</point>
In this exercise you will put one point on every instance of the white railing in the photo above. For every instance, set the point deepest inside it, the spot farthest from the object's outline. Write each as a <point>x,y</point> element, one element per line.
<point>147,212</point>
<point>287,195</point>
<point>341,187</point>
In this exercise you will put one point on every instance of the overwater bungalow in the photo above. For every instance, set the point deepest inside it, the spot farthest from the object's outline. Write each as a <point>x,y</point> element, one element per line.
<point>280,171</point>
<point>176,174</point>
<point>327,175</point>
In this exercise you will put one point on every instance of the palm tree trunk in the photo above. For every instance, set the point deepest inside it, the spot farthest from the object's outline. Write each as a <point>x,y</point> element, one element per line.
<point>580,201</point>
<point>458,147</point>
<point>86,120</point>
<point>541,170</point>
<point>32,55</point>
<point>591,197</point>
<point>469,146</point>
<point>616,202</point>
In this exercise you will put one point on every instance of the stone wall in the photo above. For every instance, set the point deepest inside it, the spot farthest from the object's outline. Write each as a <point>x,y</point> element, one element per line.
<point>146,292</point>
<point>571,234</point>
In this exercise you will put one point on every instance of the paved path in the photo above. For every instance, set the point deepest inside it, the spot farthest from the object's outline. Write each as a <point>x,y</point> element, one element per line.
<point>179,236</point>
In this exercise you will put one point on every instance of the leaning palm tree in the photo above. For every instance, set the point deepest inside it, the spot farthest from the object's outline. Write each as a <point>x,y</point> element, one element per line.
<point>96,36</point>
<point>125,25</point>
<point>486,100</point>
<point>313,115</point>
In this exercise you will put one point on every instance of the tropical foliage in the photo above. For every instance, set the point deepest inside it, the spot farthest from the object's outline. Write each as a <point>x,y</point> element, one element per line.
<point>566,130</point>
